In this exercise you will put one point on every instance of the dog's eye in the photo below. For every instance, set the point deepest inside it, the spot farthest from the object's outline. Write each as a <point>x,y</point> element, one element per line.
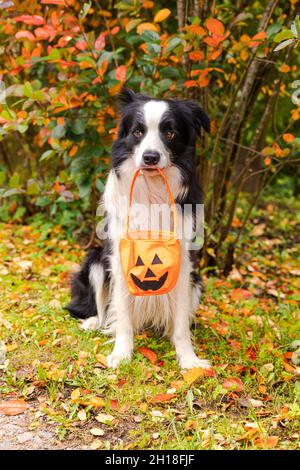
<point>137,133</point>
<point>169,135</point>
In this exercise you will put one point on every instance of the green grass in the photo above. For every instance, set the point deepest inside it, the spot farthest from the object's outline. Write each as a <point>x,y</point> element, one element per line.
<point>245,326</point>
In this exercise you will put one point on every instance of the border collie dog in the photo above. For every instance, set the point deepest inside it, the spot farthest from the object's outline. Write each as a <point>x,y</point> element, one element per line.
<point>152,133</point>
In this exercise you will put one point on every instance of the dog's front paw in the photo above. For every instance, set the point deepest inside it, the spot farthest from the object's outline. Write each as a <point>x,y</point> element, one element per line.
<point>91,323</point>
<point>190,361</point>
<point>115,358</point>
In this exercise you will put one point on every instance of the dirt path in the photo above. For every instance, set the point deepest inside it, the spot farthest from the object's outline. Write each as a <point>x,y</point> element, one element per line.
<point>17,433</point>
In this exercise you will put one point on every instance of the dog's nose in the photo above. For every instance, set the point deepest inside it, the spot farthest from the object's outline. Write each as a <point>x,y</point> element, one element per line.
<point>151,157</point>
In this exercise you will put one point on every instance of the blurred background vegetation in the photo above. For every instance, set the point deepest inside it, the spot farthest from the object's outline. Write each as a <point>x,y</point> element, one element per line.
<point>63,62</point>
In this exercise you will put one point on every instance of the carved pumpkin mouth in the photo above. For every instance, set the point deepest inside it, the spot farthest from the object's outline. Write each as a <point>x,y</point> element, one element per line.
<point>150,284</point>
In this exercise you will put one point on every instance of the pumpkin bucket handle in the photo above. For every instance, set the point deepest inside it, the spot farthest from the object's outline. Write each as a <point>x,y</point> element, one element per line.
<point>171,199</point>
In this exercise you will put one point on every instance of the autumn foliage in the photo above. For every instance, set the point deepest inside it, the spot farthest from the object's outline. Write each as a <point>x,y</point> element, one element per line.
<point>64,61</point>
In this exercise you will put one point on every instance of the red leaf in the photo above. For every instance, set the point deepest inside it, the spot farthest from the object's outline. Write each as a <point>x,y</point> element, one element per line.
<point>13,407</point>
<point>234,384</point>
<point>209,373</point>
<point>30,19</point>
<point>215,26</point>
<point>251,352</point>
<point>164,397</point>
<point>114,404</point>
<point>190,83</point>
<point>25,35</point>
<point>81,45</point>
<point>149,354</point>
<point>121,73</point>
<point>238,294</point>
<point>100,42</point>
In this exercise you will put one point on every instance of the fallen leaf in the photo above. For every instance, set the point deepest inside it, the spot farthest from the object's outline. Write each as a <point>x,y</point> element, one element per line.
<point>97,432</point>
<point>101,358</point>
<point>157,416</point>
<point>96,444</point>
<point>105,419</point>
<point>267,442</point>
<point>114,404</point>
<point>233,384</point>
<point>248,435</point>
<point>149,354</point>
<point>192,375</point>
<point>13,407</point>
<point>249,402</point>
<point>81,415</point>
<point>24,265</point>
<point>164,397</point>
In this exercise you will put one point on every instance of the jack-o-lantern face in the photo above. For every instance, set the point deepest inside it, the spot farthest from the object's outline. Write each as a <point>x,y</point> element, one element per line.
<point>150,280</point>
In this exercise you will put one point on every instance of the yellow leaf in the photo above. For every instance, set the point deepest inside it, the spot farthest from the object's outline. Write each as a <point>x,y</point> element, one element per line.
<point>192,375</point>
<point>101,359</point>
<point>75,394</point>
<point>146,27</point>
<point>162,15</point>
<point>11,347</point>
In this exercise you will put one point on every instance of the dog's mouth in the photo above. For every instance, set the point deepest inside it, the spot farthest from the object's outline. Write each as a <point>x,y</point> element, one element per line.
<point>150,284</point>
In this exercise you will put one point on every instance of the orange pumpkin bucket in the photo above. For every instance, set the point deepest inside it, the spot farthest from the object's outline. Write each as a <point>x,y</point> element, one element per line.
<point>150,259</point>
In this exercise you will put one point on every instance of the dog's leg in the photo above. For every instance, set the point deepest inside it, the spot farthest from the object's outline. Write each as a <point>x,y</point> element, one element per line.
<point>124,331</point>
<point>181,336</point>
<point>96,279</point>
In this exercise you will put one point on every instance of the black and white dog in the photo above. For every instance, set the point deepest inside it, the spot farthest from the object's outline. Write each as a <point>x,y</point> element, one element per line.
<point>160,133</point>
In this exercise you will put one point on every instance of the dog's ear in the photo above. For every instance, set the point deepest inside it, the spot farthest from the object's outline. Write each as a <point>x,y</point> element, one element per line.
<point>199,116</point>
<point>126,97</point>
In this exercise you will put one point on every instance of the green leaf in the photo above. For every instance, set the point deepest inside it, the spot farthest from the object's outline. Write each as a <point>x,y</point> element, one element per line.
<point>47,155</point>
<point>273,29</point>
<point>43,201</point>
<point>58,132</point>
<point>172,44</point>
<point>164,84</point>
<point>28,91</point>
<point>54,54</point>
<point>100,185</point>
<point>32,187</point>
<point>78,126</point>
<point>84,184</point>
<point>150,36</point>
<point>284,44</point>
<point>283,35</point>
<point>169,72</point>
<point>14,180</point>
<point>2,177</point>
<point>22,128</point>
<point>297,24</point>
<point>132,24</point>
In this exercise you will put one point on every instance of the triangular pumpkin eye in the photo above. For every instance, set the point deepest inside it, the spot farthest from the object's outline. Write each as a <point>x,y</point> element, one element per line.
<point>139,262</point>
<point>156,260</point>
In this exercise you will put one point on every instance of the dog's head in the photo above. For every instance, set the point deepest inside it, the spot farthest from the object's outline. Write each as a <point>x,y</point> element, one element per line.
<point>156,132</point>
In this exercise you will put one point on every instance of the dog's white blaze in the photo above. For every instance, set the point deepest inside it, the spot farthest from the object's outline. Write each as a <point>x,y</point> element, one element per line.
<point>153,112</point>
